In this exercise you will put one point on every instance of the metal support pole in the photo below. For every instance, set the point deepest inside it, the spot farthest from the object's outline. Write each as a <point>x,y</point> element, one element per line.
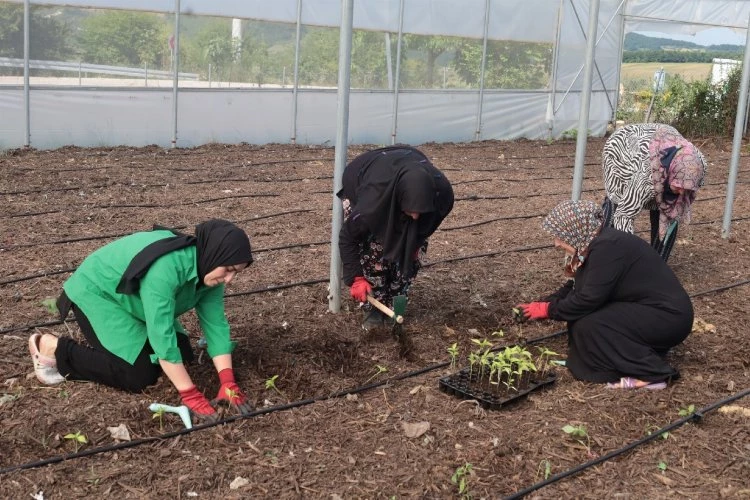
<point>596,66</point>
<point>478,127</point>
<point>145,74</point>
<point>342,143</point>
<point>737,141</point>
<point>389,60</point>
<point>397,78</point>
<point>619,58</point>
<point>26,57</point>
<point>553,77</point>
<point>175,66</point>
<point>604,31</point>
<point>296,72</point>
<point>583,120</point>
<point>209,75</point>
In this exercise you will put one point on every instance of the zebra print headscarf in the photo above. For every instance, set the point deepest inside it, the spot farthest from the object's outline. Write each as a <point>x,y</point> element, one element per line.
<point>576,223</point>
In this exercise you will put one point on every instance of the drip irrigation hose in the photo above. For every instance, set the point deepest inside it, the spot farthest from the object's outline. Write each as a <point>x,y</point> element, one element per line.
<point>304,402</point>
<point>272,409</point>
<point>697,416</point>
<point>119,235</point>
<point>154,205</point>
<point>323,280</point>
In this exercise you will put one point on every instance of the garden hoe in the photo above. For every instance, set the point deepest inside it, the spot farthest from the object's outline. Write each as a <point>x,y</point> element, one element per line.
<point>397,315</point>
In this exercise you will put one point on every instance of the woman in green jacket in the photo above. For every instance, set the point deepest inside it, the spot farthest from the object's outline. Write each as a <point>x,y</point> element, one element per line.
<point>127,297</point>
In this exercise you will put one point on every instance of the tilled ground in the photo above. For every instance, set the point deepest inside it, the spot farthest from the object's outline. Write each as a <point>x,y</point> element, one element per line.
<point>60,205</point>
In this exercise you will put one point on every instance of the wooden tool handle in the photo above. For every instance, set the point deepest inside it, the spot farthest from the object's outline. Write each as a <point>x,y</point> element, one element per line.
<point>384,309</point>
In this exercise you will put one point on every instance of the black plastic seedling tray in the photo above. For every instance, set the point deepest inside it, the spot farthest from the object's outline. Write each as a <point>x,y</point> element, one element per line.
<point>463,386</point>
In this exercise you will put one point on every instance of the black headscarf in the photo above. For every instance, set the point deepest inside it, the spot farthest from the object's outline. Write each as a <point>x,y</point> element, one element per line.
<point>383,183</point>
<point>218,243</point>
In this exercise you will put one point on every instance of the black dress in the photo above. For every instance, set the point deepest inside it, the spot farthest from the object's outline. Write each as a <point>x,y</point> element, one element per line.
<point>625,310</point>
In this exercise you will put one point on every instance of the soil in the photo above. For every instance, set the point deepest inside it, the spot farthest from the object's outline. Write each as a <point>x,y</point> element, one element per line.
<point>402,439</point>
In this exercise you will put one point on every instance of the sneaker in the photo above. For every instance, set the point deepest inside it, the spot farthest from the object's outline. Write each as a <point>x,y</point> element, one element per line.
<point>373,319</point>
<point>45,367</point>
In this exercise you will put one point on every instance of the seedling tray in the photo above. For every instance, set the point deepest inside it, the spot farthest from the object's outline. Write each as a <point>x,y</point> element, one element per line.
<point>464,386</point>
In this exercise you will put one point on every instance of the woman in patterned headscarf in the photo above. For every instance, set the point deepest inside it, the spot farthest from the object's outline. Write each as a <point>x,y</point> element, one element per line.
<point>625,307</point>
<point>650,165</point>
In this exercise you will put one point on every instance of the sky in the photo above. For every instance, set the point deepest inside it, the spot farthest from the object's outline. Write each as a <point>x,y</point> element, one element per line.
<point>711,36</point>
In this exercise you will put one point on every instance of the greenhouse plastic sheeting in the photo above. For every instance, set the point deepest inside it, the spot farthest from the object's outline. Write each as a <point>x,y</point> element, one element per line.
<point>113,117</point>
<point>676,16</point>
<point>529,20</point>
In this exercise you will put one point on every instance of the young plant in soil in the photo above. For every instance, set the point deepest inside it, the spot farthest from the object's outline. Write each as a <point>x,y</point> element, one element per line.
<point>544,359</point>
<point>453,351</point>
<point>461,479</point>
<point>578,433</point>
<point>686,412</point>
<point>547,469</point>
<point>380,369</point>
<point>77,438</point>
<point>159,413</point>
<point>271,385</point>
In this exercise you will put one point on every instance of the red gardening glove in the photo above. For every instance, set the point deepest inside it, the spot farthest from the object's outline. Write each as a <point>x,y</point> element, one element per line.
<point>230,392</point>
<point>198,405</point>
<point>360,289</point>
<point>535,310</point>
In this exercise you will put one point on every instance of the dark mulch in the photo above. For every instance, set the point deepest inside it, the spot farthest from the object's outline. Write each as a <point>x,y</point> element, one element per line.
<point>357,446</point>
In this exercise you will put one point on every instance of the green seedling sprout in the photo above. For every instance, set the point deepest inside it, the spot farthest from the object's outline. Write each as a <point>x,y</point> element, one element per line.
<point>50,303</point>
<point>498,333</point>
<point>380,369</point>
<point>473,359</point>
<point>77,438</point>
<point>578,433</point>
<point>651,428</point>
<point>662,466</point>
<point>461,479</point>
<point>453,351</point>
<point>686,412</point>
<point>547,468</point>
<point>483,345</point>
<point>271,385</point>
<point>159,413</point>
<point>545,356</point>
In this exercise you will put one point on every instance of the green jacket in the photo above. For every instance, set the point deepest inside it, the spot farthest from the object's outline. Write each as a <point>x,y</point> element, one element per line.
<point>123,323</point>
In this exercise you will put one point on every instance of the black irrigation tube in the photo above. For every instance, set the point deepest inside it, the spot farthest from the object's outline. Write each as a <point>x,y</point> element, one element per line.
<point>118,235</point>
<point>697,416</point>
<point>177,169</point>
<point>304,402</point>
<point>71,269</point>
<point>154,205</point>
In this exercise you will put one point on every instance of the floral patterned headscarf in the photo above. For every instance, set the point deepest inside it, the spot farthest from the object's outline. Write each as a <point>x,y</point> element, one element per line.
<point>686,170</point>
<point>576,223</point>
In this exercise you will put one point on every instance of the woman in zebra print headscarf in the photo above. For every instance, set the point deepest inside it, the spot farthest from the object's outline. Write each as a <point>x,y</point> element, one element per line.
<point>625,308</point>
<point>652,166</point>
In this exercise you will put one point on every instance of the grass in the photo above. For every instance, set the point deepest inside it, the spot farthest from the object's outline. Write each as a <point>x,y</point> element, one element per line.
<point>688,71</point>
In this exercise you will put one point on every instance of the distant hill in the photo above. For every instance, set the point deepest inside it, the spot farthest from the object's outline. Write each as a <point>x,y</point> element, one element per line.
<point>635,41</point>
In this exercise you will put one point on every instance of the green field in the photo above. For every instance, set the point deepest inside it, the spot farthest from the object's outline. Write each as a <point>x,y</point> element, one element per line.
<point>688,71</point>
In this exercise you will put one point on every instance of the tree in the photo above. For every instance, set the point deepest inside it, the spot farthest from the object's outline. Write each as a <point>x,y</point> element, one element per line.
<point>432,47</point>
<point>124,39</point>
<point>509,65</point>
<point>48,35</point>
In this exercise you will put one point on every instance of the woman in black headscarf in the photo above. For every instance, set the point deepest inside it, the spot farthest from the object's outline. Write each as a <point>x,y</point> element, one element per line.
<point>127,297</point>
<point>393,200</point>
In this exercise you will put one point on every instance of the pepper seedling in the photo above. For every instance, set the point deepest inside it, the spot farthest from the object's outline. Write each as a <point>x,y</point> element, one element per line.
<point>380,369</point>
<point>453,351</point>
<point>77,438</point>
<point>461,479</point>
<point>271,385</point>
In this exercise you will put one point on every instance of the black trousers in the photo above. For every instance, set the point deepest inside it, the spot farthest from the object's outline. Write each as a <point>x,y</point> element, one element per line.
<point>97,364</point>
